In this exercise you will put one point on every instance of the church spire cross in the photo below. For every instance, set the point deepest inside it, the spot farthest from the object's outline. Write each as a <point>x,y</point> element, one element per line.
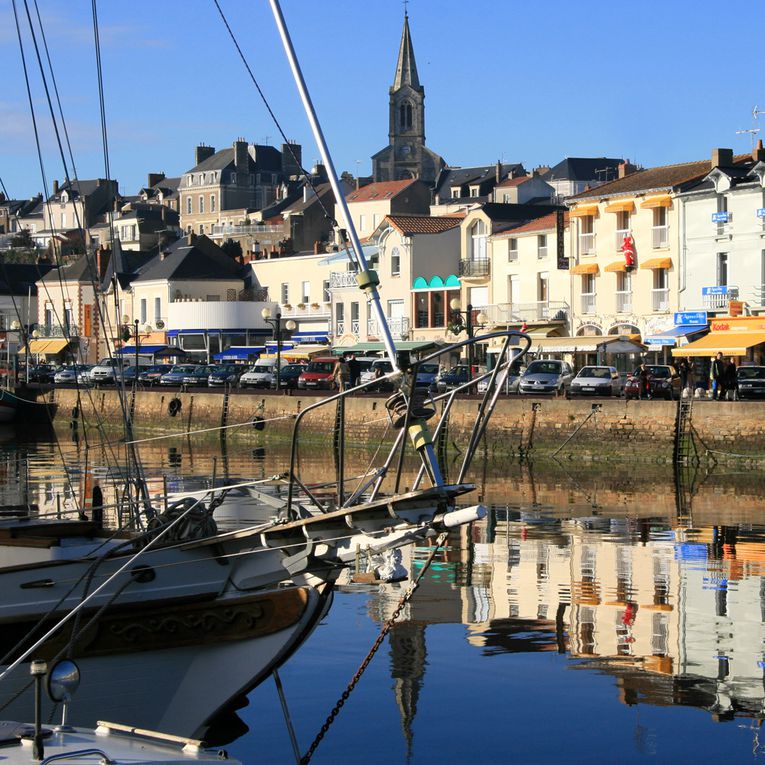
<point>406,67</point>
<point>406,9</point>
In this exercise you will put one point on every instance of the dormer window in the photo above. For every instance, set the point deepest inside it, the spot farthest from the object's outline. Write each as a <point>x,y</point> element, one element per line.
<point>233,177</point>
<point>191,180</point>
<point>64,197</point>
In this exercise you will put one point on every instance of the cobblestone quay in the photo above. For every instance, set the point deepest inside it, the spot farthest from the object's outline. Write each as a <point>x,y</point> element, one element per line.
<point>605,429</point>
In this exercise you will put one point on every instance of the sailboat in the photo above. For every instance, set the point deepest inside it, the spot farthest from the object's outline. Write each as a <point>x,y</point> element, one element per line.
<point>144,594</point>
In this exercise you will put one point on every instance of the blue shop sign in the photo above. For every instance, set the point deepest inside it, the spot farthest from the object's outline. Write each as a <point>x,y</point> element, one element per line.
<point>720,217</point>
<point>761,212</point>
<point>683,318</point>
<point>721,290</point>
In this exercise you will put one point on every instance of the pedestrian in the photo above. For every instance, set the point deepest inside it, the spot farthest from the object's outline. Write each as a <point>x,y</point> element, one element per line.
<point>682,370</point>
<point>644,380</point>
<point>341,374</point>
<point>717,373</point>
<point>354,370</point>
<point>731,380</point>
<point>691,379</point>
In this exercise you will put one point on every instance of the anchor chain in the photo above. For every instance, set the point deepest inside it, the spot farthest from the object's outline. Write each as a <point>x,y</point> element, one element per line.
<point>405,598</point>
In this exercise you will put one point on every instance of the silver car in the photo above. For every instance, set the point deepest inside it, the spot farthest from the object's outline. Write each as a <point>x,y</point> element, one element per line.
<point>546,376</point>
<point>596,381</point>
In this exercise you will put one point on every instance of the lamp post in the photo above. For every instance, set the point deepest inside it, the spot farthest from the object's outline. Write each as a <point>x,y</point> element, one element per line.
<point>470,327</point>
<point>276,324</point>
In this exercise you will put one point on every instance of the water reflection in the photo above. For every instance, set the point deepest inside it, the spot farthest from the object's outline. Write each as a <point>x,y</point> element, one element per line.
<point>651,582</point>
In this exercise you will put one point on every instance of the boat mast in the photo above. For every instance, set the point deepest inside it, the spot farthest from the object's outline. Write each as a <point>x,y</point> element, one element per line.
<point>367,279</point>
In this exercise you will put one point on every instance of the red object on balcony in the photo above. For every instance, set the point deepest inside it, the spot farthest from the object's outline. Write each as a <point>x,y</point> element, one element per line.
<point>628,250</point>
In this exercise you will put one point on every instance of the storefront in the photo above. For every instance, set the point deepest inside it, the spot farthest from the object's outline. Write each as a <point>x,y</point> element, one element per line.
<point>689,327</point>
<point>741,337</point>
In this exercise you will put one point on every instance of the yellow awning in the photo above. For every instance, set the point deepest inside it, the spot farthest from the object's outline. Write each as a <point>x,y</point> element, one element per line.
<point>616,266</point>
<point>585,268</point>
<point>306,351</point>
<point>733,343</point>
<point>656,263</point>
<point>626,205</point>
<point>662,200</point>
<point>582,211</point>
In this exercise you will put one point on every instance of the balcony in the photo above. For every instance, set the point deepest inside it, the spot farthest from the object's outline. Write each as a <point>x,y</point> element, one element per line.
<point>474,268</point>
<point>305,311</point>
<point>244,229</point>
<point>586,244</point>
<point>56,330</point>
<point>588,302</point>
<point>344,327</point>
<point>399,327</point>
<point>660,237</point>
<point>623,302</point>
<point>517,313</point>
<point>660,300</point>
<point>339,280</point>
<point>717,298</point>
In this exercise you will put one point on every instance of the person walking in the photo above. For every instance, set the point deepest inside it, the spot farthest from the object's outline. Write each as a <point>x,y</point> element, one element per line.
<point>341,374</point>
<point>682,370</point>
<point>691,379</point>
<point>354,370</point>
<point>717,373</point>
<point>644,385</point>
<point>731,380</point>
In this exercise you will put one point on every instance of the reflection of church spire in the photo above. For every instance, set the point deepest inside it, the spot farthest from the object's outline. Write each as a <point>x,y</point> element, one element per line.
<point>407,654</point>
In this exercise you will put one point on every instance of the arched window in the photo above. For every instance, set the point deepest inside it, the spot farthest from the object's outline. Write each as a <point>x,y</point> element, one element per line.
<point>478,241</point>
<point>405,115</point>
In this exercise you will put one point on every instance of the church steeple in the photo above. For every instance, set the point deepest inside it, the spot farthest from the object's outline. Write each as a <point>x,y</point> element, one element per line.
<point>406,67</point>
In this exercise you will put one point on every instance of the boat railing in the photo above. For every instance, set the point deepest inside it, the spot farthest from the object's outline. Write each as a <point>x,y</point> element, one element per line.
<point>408,408</point>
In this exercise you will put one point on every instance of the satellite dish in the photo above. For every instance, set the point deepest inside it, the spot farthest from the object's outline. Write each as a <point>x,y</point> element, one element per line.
<point>160,324</point>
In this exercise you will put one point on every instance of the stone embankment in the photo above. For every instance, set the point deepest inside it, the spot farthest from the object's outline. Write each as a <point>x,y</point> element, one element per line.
<point>613,429</point>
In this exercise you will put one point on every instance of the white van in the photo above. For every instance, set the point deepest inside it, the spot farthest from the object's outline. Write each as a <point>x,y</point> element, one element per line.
<point>262,374</point>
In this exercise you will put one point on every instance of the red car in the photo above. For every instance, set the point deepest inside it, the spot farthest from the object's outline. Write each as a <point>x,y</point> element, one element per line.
<point>663,382</point>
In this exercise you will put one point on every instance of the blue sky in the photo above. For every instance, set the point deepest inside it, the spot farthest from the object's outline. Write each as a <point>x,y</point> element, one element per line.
<point>523,82</point>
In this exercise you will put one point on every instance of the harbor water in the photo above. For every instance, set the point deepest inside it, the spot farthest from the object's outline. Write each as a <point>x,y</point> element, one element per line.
<point>597,614</point>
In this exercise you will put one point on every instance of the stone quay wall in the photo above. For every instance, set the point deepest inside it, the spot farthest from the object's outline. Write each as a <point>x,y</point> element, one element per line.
<point>614,429</point>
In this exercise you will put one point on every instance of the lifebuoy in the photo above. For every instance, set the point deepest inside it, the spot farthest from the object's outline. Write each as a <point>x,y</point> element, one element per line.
<point>174,406</point>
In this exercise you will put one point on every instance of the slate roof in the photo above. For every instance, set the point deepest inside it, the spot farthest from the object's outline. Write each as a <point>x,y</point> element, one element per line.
<point>268,158</point>
<point>584,169</point>
<point>545,223</point>
<point>461,176</point>
<point>653,178</point>
<point>512,182</point>
<point>81,271</point>
<point>322,189</point>
<point>20,278</point>
<point>378,192</point>
<point>79,188</point>
<point>202,259</point>
<point>409,225</point>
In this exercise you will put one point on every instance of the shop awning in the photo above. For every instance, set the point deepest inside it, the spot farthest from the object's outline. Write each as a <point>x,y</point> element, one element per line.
<point>585,268</point>
<point>40,346</point>
<point>586,343</point>
<point>239,353</point>
<point>143,350</point>
<point>408,345</point>
<point>616,267</point>
<point>582,211</point>
<point>621,345</point>
<point>625,205</point>
<point>733,343</point>
<point>305,351</point>
<point>671,336</point>
<point>656,263</point>
<point>310,337</point>
<point>662,200</point>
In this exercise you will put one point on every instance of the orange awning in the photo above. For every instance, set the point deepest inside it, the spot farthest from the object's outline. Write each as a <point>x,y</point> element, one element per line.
<point>583,211</point>
<point>731,343</point>
<point>616,267</point>
<point>662,200</point>
<point>656,263</point>
<point>626,205</point>
<point>585,268</point>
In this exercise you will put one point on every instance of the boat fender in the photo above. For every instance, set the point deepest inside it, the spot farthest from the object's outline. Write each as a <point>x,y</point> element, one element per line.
<point>258,423</point>
<point>174,406</point>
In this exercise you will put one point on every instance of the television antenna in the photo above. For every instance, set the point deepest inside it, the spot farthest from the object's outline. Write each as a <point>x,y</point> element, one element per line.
<point>752,133</point>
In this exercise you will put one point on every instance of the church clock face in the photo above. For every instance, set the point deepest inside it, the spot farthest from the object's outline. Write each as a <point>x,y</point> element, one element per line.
<point>405,150</point>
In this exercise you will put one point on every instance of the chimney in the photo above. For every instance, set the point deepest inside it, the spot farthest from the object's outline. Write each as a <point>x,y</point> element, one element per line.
<point>498,172</point>
<point>55,187</point>
<point>155,178</point>
<point>626,168</point>
<point>316,247</point>
<point>758,153</point>
<point>240,156</point>
<point>202,152</point>
<point>2,197</point>
<point>722,157</point>
<point>291,166</point>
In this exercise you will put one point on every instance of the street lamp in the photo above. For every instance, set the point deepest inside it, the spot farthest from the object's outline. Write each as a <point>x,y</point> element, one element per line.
<point>481,319</point>
<point>276,324</point>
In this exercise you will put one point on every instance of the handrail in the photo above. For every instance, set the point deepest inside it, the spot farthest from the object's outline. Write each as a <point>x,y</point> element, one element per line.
<point>105,759</point>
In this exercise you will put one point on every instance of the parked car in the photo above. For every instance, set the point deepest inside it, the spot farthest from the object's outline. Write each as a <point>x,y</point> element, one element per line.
<point>105,372</point>
<point>69,375</point>
<point>262,374</point>
<point>289,375</point>
<point>511,381</point>
<point>198,376</point>
<point>378,368</point>
<point>545,376</point>
<point>177,374</point>
<point>41,373</point>
<point>426,375</point>
<point>751,382</point>
<point>129,374</point>
<point>318,374</point>
<point>83,376</point>
<point>225,374</point>
<point>151,375</point>
<point>663,382</point>
<point>453,378</point>
<point>596,381</point>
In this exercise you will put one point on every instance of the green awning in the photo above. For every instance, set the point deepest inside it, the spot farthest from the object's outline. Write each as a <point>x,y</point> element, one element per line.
<point>406,345</point>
